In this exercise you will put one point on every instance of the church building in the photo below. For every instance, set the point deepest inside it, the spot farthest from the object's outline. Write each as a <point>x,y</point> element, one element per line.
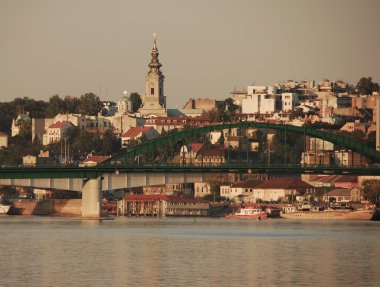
<point>154,100</point>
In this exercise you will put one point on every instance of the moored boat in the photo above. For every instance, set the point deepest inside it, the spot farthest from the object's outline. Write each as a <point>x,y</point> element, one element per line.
<point>249,213</point>
<point>318,213</point>
<point>4,208</point>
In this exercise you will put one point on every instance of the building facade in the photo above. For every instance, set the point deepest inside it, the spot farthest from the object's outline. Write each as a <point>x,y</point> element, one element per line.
<point>162,205</point>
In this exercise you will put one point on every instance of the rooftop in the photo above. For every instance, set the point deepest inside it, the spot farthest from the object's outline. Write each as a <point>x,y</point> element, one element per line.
<point>59,125</point>
<point>134,132</point>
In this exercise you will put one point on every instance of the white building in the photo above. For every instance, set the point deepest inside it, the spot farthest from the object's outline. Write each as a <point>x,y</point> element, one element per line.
<point>268,190</point>
<point>55,132</point>
<point>201,189</point>
<point>259,100</point>
<point>137,132</point>
<point>289,101</point>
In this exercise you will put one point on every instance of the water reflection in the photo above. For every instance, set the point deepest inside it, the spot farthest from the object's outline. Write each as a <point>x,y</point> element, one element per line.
<point>43,251</point>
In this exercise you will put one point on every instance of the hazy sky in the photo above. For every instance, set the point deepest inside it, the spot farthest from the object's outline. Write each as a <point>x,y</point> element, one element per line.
<point>207,47</point>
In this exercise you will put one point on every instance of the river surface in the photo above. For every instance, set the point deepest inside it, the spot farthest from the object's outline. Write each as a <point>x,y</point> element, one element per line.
<point>54,251</point>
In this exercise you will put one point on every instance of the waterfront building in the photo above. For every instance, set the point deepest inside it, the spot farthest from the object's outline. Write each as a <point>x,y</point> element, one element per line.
<point>201,189</point>
<point>154,100</point>
<point>162,205</point>
<point>341,195</point>
<point>236,190</point>
<point>177,189</point>
<point>3,140</point>
<point>277,189</point>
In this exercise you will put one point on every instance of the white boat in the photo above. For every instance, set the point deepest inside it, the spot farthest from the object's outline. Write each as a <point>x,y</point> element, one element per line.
<point>4,208</point>
<point>249,213</point>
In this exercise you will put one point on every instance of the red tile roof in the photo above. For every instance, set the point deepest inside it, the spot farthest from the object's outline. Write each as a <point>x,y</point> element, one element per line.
<point>134,132</point>
<point>97,158</point>
<point>211,152</point>
<point>58,125</point>
<point>338,178</point>
<point>247,184</point>
<point>339,192</point>
<point>168,198</point>
<point>195,147</point>
<point>285,183</point>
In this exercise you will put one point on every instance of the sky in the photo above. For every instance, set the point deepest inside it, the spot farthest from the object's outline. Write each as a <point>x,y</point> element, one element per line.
<point>207,48</point>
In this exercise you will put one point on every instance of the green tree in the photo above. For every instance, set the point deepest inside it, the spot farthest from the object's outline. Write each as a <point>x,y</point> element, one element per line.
<point>136,102</point>
<point>71,104</point>
<point>110,143</point>
<point>212,114</point>
<point>7,114</point>
<point>25,127</point>
<point>371,190</point>
<point>55,106</point>
<point>366,86</point>
<point>90,104</point>
<point>296,113</point>
<point>227,112</point>
<point>71,134</point>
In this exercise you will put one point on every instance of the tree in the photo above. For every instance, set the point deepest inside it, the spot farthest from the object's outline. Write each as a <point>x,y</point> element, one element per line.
<point>213,115</point>
<point>372,191</point>
<point>7,114</point>
<point>55,106</point>
<point>25,128</point>
<point>227,112</point>
<point>296,113</point>
<point>71,104</point>
<point>110,143</point>
<point>365,86</point>
<point>90,104</point>
<point>136,102</point>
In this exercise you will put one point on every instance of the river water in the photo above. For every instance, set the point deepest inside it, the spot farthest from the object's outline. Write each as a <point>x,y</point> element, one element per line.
<point>54,251</point>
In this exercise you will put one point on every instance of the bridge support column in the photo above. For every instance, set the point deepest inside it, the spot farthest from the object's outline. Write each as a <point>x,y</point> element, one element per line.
<point>92,198</point>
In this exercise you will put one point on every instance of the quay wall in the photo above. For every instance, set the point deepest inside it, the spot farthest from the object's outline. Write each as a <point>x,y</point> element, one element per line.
<point>47,207</point>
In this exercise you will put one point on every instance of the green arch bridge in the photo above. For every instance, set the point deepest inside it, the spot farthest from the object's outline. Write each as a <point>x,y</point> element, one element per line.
<point>325,135</point>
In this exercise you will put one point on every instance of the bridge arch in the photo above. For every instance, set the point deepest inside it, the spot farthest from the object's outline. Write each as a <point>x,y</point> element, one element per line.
<point>347,143</point>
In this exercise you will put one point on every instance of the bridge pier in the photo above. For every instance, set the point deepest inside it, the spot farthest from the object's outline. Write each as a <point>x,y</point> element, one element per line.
<point>92,198</point>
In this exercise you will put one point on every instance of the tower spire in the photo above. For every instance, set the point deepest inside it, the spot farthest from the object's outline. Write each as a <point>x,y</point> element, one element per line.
<point>154,65</point>
<point>154,40</point>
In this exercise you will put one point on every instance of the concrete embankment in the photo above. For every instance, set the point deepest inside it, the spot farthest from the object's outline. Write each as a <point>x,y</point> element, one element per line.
<point>71,207</point>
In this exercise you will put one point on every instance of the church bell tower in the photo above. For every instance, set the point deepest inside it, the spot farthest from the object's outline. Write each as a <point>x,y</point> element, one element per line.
<point>154,100</point>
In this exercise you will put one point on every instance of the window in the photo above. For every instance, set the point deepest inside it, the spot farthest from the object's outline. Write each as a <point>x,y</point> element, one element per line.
<point>152,91</point>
